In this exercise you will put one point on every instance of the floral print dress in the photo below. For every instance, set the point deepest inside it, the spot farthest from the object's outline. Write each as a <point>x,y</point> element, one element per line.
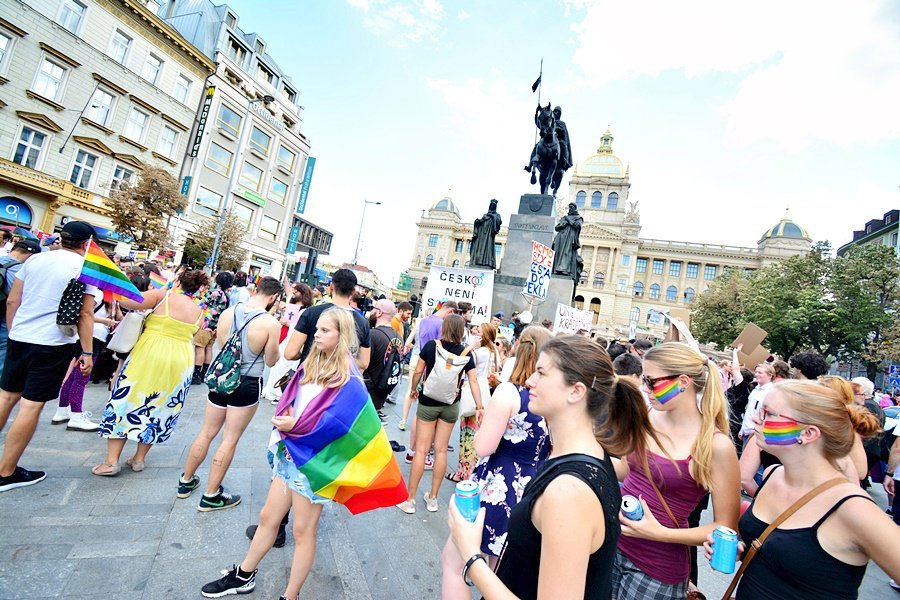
<point>503,475</point>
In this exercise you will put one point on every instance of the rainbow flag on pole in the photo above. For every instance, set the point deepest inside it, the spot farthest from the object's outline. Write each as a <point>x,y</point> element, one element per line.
<point>158,281</point>
<point>99,271</point>
<point>341,447</point>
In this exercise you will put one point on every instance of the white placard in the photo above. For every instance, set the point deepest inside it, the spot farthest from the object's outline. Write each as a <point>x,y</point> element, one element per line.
<point>570,320</point>
<point>539,274</point>
<point>460,285</point>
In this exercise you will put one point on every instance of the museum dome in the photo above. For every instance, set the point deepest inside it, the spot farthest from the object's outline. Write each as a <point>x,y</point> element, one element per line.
<point>447,205</point>
<point>604,163</point>
<point>786,229</point>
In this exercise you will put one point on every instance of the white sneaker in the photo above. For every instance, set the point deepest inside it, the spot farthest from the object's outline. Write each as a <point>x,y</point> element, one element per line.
<point>61,415</point>
<point>430,503</point>
<point>81,422</point>
<point>408,506</point>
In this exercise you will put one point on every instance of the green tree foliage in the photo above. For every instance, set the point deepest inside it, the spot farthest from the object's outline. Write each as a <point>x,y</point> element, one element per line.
<point>142,210</point>
<point>199,244</point>
<point>718,313</point>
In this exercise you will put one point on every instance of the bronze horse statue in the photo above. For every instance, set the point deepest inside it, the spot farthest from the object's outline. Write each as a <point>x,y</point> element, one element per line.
<point>545,156</point>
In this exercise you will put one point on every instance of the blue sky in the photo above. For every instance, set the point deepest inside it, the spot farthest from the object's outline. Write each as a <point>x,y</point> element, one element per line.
<point>725,115</point>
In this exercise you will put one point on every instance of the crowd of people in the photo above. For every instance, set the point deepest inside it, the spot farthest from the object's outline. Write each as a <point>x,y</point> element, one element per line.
<point>554,429</point>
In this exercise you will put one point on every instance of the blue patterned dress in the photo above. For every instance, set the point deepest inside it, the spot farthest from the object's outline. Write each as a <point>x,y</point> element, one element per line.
<point>503,475</point>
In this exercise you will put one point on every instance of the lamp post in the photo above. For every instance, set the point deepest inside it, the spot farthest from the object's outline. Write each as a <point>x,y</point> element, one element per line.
<point>361,221</point>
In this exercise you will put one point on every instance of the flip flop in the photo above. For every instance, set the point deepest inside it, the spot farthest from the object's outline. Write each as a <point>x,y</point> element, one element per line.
<point>113,470</point>
<point>451,477</point>
<point>397,447</point>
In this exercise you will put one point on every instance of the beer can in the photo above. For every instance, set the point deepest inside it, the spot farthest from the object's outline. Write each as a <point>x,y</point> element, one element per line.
<point>725,546</point>
<point>632,508</point>
<point>468,499</point>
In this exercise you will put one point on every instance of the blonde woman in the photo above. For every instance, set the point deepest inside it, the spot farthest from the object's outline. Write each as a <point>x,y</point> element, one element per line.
<point>822,549</point>
<point>694,456</point>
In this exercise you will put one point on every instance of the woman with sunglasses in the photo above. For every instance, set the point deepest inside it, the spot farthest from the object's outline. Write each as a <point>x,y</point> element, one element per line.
<point>695,457</point>
<point>822,549</point>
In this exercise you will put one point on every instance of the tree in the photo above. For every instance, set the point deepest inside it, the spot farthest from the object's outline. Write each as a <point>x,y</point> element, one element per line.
<point>718,314</point>
<point>231,255</point>
<point>141,210</point>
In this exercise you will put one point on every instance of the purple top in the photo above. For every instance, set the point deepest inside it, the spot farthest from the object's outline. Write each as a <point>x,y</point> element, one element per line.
<point>429,329</point>
<point>669,563</point>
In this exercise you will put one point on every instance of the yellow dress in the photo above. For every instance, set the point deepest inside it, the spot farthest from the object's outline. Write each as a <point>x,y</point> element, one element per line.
<point>149,393</point>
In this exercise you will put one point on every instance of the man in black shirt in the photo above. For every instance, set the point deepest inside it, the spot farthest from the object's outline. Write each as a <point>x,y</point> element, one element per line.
<point>384,339</point>
<point>343,283</point>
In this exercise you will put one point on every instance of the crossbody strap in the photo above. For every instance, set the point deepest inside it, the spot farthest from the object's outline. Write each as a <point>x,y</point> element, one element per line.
<point>758,542</point>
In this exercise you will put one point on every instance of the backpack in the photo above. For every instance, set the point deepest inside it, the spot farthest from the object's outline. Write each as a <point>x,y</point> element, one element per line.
<point>69,308</point>
<point>392,371</point>
<point>224,374</point>
<point>4,293</point>
<point>442,384</point>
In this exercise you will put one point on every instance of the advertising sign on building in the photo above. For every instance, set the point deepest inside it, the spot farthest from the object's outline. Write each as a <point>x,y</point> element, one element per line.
<point>204,115</point>
<point>570,319</point>
<point>460,285</point>
<point>307,179</point>
<point>292,240</point>
<point>539,274</point>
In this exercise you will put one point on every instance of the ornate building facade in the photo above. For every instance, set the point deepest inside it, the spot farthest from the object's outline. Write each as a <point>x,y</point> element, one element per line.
<point>626,278</point>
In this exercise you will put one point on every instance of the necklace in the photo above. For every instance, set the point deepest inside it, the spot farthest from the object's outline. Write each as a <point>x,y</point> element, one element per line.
<point>200,300</point>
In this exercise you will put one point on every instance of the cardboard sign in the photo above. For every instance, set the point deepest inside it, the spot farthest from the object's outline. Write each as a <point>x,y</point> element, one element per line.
<point>460,285</point>
<point>507,332</point>
<point>679,332</point>
<point>751,337</point>
<point>539,274</point>
<point>759,355</point>
<point>569,319</point>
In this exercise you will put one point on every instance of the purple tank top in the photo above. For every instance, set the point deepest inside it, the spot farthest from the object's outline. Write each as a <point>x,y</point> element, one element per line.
<point>669,563</point>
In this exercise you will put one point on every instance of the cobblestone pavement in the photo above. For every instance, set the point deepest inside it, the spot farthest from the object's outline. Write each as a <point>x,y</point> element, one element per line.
<point>76,535</point>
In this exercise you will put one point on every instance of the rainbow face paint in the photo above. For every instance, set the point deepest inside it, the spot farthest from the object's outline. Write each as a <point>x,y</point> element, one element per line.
<point>781,431</point>
<point>666,390</point>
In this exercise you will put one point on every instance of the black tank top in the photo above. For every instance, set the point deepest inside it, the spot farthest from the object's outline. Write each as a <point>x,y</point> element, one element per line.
<point>792,565</point>
<point>521,558</point>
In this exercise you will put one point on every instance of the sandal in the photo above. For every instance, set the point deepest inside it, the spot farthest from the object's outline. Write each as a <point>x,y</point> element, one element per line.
<point>451,477</point>
<point>136,465</point>
<point>112,472</point>
<point>397,447</point>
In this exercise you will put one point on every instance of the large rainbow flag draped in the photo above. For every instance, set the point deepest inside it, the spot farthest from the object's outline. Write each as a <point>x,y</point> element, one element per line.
<point>99,271</point>
<point>341,447</point>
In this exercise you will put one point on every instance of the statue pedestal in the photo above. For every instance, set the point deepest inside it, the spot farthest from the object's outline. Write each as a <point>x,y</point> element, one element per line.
<point>534,221</point>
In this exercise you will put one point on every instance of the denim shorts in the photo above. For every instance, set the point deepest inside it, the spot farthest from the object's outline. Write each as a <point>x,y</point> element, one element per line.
<point>284,468</point>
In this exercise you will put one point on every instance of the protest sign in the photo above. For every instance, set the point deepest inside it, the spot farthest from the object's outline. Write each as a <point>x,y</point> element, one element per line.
<point>539,274</point>
<point>460,285</point>
<point>570,320</point>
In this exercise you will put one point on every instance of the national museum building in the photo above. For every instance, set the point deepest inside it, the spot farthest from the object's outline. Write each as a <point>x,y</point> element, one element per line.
<point>625,277</point>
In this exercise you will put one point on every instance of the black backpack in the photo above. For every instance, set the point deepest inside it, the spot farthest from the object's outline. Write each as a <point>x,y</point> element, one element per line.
<point>4,292</point>
<point>392,371</point>
<point>70,307</point>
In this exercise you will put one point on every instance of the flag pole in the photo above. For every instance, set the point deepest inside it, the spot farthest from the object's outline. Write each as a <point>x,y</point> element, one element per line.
<point>540,83</point>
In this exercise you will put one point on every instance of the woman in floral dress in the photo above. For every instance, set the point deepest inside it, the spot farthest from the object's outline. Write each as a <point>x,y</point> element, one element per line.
<point>511,443</point>
<point>149,393</point>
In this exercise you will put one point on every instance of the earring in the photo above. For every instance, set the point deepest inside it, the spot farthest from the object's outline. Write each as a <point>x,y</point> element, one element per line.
<point>800,442</point>
<point>681,389</point>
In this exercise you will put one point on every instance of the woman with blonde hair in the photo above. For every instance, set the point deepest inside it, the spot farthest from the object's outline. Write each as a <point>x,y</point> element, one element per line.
<point>693,455</point>
<point>821,550</point>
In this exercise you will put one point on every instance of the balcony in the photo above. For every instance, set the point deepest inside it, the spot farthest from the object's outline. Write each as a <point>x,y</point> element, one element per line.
<point>55,189</point>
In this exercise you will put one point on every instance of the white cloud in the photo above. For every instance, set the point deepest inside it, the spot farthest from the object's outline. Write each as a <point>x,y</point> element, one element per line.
<point>401,23</point>
<point>812,70</point>
<point>463,15</point>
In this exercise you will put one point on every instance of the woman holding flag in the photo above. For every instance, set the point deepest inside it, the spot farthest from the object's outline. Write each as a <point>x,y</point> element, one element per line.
<point>327,444</point>
<point>149,392</point>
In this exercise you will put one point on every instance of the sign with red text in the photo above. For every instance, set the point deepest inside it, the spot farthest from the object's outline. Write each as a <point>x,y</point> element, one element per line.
<point>475,286</point>
<point>539,274</point>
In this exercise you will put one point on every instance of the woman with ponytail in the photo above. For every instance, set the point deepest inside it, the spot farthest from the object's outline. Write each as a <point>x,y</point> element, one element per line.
<point>821,550</point>
<point>561,539</point>
<point>690,456</point>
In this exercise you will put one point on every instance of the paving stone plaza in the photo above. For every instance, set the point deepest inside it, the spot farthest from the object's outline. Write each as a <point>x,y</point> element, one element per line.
<point>79,536</point>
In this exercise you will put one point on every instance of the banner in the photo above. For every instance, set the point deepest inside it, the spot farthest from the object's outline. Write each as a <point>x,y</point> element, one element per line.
<point>539,275</point>
<point>460,285</point>
<point>570,320</point>
<point>307,181</point>
<point>201,123</point>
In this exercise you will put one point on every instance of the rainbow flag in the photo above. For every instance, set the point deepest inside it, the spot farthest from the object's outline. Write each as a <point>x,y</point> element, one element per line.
<point>157,280</point>
<point>99,271</point>
<point>341,447</point>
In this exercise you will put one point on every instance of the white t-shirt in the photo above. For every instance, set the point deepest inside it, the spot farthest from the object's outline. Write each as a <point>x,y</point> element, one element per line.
<point>753,403</point>
<point>44,278</point>
<point>101,331</point>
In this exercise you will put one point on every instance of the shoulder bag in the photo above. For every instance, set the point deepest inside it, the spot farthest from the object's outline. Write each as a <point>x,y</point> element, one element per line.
<point>129,330</point>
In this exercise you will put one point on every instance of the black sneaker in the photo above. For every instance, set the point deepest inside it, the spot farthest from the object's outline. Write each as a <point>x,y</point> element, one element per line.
<point>382,416</point>
<point>186,489</point>
<point>229,584</point>
<point>21,478</point>
<point>280,537</point>
<point>221,500</point>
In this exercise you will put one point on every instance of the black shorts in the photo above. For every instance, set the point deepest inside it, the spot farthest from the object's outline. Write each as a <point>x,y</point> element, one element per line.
<point>246,395</point>
<point>36,371</point>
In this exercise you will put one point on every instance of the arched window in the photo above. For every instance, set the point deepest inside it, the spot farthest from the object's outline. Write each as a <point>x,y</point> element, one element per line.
<point>456,263</point>
<point>595,308</point>
<point>429,259</point>
<point>579,199</point>
<point>596,198</point>
<point>671,294</point>
<point>638,288</point>
<point>623,284</point>
<point>579,302</point>
<point>599,280</point>
<point>583,279</point>
<point>612,201</point>
<point>654,291</point>
<point>689,295</point>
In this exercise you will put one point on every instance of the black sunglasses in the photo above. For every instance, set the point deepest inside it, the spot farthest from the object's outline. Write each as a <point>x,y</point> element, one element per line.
<point>650,382</point>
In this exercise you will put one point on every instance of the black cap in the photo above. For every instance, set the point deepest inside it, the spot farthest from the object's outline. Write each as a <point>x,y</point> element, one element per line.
<point>77,231</point>
<point>28,245</point>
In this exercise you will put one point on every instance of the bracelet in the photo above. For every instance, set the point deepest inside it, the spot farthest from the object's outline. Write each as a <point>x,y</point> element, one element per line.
<point>83,353</point>
<point>469,563</point>
<point>889,473</point>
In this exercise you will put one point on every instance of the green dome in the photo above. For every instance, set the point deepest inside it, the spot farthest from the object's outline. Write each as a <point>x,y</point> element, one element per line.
<point>786,229</point>
<point>446,204</point>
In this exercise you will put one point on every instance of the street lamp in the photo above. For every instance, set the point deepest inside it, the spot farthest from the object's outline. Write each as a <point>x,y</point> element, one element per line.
<point>361,221</point>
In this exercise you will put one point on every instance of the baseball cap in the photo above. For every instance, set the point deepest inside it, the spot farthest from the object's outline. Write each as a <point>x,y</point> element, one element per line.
<point>49,240</point>
<point>29,245</point>
<point>387,307</point>
<point>499,314</point>
<point>77,231</point>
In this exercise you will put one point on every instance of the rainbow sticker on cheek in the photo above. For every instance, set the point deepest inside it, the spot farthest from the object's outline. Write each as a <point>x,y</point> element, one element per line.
<point>665,390</point>
<point>782,432</point>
